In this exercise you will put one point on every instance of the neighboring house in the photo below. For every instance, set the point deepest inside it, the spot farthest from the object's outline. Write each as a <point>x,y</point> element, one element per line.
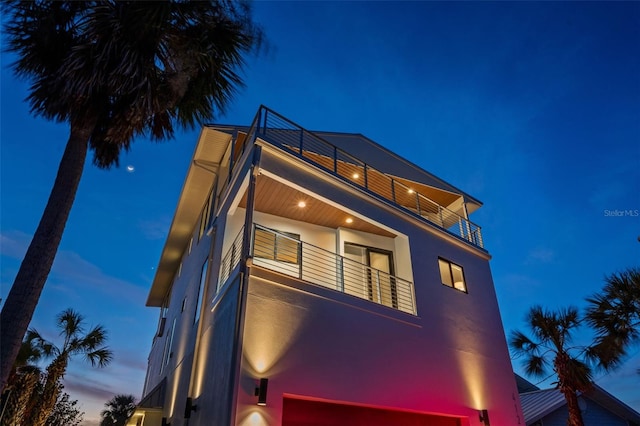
<point>548,407</point>
<point>314,278</point>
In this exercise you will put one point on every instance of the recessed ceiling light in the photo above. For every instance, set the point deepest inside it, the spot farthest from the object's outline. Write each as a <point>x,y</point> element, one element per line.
<point>302,204</point>
<point>356,176</point>
<point>349,220</point>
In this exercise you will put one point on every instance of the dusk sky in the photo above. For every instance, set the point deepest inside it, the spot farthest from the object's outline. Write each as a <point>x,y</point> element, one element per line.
<point>533,108</point>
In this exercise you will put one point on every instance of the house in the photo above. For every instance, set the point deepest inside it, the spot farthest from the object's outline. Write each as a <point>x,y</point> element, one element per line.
<point>316,278</point>
<point>548,407</point>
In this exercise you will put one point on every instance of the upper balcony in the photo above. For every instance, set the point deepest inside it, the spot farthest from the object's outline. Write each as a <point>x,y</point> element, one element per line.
<point>417,199</point>
<point>350,159</point>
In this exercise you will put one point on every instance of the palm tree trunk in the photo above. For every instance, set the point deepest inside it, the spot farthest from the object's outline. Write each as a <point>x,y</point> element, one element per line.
<point>18,397</point>
<point>569,389</point>
<point>575,414</point>
<point>26,289</point>
<point>50,391</point>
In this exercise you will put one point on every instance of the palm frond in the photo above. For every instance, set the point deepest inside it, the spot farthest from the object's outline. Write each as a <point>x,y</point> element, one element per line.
<point>100,357</point>
<point>536,366</point>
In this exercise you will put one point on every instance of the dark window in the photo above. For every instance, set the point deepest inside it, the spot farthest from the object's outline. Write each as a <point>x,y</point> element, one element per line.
<point>203,277</point>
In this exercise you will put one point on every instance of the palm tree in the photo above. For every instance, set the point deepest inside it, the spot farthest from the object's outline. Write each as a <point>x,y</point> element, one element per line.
<point>75,342</point>
<point>118,410</point>
<point>113,70</point>
<point>551,347</point>
<point>615,315</point>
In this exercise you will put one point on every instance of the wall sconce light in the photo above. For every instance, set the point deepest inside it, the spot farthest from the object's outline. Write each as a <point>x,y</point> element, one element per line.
<point>189,407</point>
<point>484,417</point>
<point>261,392</point>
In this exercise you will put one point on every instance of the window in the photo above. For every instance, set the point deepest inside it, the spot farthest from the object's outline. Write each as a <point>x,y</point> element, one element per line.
<point>451,275</point>
<point>166,356</point>
<point>276,245</point>
<point>163,314</point>
<point>206,215</point>
<point>203,277</point>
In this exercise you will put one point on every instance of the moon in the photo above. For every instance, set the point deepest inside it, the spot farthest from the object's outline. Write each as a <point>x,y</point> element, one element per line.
<point>130,169</point>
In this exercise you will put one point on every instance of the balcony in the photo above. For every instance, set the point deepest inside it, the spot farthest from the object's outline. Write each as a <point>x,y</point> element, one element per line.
<point>287,255</point>
<point>402,193</point>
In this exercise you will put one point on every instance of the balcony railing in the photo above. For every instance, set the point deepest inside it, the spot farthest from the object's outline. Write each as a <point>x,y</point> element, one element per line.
<point>288,255</point>
<point>230,259</point>
<point>279,131</point>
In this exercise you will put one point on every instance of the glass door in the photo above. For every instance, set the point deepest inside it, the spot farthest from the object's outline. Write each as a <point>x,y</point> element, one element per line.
<point>373,271</point>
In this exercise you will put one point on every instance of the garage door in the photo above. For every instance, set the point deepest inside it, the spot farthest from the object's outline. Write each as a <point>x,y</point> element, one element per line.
<point>300,412</point>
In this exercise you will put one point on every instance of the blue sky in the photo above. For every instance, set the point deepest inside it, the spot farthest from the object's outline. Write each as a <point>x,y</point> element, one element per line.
<point>533,108</point>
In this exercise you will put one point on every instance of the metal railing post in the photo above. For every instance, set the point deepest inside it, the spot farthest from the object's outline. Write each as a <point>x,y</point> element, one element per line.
<point>264,123</point>
<point>365,173</point>
<point>340,272</point>
<point>301,139</point>
<point>393,191</point>
<point>300,250</point>
<point>259,121</point>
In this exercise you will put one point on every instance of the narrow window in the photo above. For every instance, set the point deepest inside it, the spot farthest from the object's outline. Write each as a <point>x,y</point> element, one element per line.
<point>166,356</point>
<point>163,314</point>
<point>452,275</point>
<point>205,216</point>
<point>203,279</point>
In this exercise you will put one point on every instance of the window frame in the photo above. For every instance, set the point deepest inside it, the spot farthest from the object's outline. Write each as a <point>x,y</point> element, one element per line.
<point>269,249</point>
<point>451,276</point>
<point>201,288</point>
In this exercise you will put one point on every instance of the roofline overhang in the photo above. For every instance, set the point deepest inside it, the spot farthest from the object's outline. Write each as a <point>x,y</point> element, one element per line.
<point>203,170</point>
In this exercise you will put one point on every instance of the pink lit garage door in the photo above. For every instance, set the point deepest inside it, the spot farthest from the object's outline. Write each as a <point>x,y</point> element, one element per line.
<point>300,412</point>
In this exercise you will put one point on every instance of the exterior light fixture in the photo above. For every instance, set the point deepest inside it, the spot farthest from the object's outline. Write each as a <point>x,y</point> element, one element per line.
<point>349,220</point>
<point>302,204</point>
<point>189,407</point>
<point>484,417</point>
<point>356,175</point>
<point>261,392</point>
<point>411,191</point>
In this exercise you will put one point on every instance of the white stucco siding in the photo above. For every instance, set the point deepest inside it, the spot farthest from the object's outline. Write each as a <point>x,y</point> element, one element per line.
<point>313,346</point>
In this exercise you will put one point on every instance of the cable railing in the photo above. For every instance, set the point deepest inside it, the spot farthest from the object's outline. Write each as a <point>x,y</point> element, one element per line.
<point>230,259</point>
<point>286,254</point>
<point>280,131</point>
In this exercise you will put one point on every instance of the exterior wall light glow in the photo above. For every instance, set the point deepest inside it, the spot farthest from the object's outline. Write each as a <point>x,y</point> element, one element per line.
<point>484,417</point>
<point>302,204</point>
<point>356,175</point>
<point>411,191</point>
<point>349,220</point>
<point>261,392</point>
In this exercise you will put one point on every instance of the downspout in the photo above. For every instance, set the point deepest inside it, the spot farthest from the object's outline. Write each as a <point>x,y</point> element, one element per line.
<point>244,282</point>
